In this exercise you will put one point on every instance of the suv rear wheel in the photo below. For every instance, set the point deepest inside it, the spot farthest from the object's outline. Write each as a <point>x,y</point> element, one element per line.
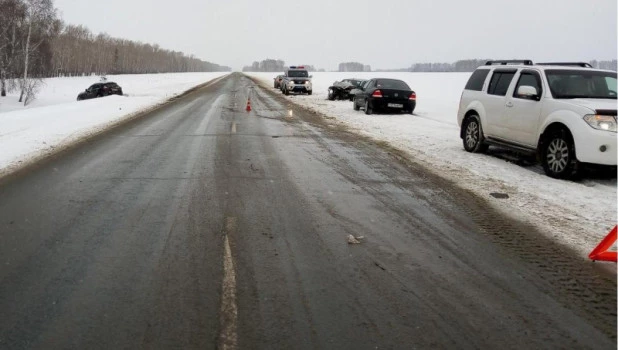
<point>473,135</point>
<point>558,154</point>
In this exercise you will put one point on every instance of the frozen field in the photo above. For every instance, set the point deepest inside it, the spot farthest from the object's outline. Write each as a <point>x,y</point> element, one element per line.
<point>579,214</point>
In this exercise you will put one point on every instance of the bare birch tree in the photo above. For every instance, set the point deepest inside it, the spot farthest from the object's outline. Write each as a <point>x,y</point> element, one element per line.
<point>12,16</point>
<point>40,23</point>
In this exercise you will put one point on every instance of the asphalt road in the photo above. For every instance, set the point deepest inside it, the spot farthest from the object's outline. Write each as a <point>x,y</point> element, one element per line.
<point>204,226</point>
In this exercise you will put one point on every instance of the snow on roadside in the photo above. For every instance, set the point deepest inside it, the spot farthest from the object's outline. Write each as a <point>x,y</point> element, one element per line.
<point>55,119</point>
<point>578,214</point>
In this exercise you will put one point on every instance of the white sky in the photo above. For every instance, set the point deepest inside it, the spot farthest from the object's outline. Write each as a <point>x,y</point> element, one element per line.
<point>383,34</point>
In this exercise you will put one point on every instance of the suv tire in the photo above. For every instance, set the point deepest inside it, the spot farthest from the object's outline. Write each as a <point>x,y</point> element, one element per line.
<point>558,154</point>
<point>473,135</point>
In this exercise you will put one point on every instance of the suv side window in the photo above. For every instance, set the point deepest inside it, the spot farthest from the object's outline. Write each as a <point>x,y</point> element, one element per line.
<point>529,78</point>
<point>477,79</point>
<point>500,82</point>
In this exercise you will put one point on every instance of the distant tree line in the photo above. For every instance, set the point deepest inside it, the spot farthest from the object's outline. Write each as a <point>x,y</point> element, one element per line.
<point>35,43</point>
<point>609,65</point>
<point>77,51</point>
<point>272,65</point>
<point>354,67</point>
<point>459,66</point>
<point>267,65</point>
<point>471,65</point>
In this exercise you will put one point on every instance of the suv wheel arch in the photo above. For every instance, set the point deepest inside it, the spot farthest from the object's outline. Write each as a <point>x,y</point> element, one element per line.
<point>557,142</point>
<point>472,134</point>
<point>462,132</point>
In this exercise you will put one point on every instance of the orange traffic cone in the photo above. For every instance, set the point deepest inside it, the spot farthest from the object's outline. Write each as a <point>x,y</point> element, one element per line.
<point>601,251</point>
<point>248,105</point>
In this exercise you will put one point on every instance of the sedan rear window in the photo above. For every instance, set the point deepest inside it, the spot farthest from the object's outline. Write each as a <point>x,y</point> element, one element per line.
<point>392,84</point>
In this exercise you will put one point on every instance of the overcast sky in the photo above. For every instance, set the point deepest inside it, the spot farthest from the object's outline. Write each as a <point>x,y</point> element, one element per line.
<point>383,34</point>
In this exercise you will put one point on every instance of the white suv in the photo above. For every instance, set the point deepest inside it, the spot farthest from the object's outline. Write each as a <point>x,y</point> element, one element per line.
<point>564,113</point>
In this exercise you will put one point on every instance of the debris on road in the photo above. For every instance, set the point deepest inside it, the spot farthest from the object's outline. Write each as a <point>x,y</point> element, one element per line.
<point>355,240</point>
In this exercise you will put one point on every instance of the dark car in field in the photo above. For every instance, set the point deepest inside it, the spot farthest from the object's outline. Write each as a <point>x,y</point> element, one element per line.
<point>381,94</point>
<point>345,89</point>
<point>100,90</point>
<point>278,79</point>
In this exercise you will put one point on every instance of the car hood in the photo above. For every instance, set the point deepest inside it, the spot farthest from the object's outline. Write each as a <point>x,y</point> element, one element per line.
<point>594,104</point>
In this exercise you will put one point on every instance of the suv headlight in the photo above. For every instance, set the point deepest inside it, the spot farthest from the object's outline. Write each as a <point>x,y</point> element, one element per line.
<point>307,82</point>
<point>601,122</point>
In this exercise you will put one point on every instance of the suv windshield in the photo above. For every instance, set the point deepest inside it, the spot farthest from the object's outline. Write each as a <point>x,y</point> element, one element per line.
<point>581,84</point>
<point>298,74</point>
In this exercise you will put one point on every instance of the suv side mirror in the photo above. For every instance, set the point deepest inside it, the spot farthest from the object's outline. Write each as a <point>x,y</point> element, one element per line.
<point>527,92</point>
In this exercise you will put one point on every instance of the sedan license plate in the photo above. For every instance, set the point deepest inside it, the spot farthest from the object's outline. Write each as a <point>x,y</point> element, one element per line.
<point>395,105</point>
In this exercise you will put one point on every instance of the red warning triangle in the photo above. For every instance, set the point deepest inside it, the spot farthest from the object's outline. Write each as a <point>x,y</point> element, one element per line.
<point>601,252</point>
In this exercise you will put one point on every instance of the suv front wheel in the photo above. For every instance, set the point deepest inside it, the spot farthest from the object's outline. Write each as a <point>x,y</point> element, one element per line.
<point>473,135</point>
<point>558,155</point>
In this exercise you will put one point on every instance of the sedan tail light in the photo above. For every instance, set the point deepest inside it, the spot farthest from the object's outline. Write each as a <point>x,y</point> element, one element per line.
<point>377,93</point>
<point>413,96</point>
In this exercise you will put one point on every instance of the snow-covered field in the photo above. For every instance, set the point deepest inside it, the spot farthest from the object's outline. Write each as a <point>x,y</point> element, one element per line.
<point>55,119</point>
<point>578,214</point>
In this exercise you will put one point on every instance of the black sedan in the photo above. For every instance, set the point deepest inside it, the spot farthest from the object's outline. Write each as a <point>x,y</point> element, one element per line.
<point>381,94</point>
<point>100,90</point>
<point>345,89</point>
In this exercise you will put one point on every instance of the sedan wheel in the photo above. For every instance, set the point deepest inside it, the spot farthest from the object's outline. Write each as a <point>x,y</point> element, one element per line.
<point>368,110</point>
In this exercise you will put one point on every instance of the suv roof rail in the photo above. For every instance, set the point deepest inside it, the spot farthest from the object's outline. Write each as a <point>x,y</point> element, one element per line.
<point>505,62</point>
<point>572,64</point>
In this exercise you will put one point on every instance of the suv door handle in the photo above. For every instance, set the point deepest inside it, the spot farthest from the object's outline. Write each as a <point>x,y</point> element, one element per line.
<point>509,104</point>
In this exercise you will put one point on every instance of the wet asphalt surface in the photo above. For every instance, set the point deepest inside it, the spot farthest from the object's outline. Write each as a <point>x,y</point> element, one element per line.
<point>120,243</point>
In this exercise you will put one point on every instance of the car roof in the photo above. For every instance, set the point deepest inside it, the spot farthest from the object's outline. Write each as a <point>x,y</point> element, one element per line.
<point>387,79</point>
<point>550,66</point>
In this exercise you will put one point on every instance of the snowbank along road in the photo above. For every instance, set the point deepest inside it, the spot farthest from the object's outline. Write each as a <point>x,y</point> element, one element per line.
<point>56,120</point>
<point>201,225</point>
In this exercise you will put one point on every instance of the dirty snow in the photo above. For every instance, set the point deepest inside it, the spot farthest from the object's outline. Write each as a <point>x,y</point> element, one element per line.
<point>55,119</point>
<point>578,214</point>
